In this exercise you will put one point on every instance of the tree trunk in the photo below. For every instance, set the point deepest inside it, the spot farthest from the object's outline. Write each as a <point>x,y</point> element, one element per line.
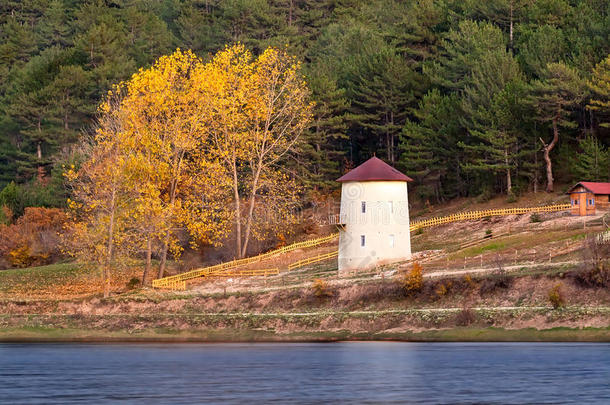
<point>110,245</point>
<point>148,267</point>
<point>40,169</point>
<point>511,25</point>
<point>237,211</point>
<point>251,208</point>
<point>509,183</point>
<point>163,258</point>
<point>172,199</point>
<point>547,151</point>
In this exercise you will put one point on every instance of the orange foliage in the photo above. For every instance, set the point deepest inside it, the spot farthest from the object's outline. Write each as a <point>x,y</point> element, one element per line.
<point>33,239</point>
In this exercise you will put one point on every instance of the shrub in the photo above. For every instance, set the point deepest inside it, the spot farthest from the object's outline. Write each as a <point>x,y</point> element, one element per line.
<point>469,281</point>
<point>556,297</point>
<point>321,289</point>
<point>413,280</point>
<point>6,215</point>
<point>595,267</point>
<point>34,238</point>
<point>535,217</point>
<point>133,283</point>
<point>511,198</point>
<point>443,288</point>
<point>497,280</point>
<point>465,317</point>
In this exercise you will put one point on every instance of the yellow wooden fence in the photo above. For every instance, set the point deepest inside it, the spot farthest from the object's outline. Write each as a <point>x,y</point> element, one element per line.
<point>312,259</point>
<point>246,272</point>
<point>169,282</point>
<point>472,215</point>
<point>221,270</point>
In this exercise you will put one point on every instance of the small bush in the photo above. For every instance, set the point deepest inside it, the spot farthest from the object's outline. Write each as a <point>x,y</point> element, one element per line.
<point>556,297</point>
<point>465,317</point>
<point>497,280</point>
<point>443,288</point>
<point>486,195</point>
<point>413,280</point>
<point>488,232</point>
<point>133,283</point>
<point>595,267</point>
<point>469,281</point>
<point>321,289</point>
<point>535,217</point>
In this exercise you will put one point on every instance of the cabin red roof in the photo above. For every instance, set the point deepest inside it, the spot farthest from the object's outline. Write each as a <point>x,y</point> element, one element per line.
<point>372,170</point>
<point>595,188</point>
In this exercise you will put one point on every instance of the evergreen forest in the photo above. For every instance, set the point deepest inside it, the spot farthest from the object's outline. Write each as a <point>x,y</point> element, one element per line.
<point>468,97</point>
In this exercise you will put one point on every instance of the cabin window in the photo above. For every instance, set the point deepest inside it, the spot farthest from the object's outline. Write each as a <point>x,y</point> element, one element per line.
<point>362,240</point>
<point>391,240</point>
<point>575,202</point>
<point>363,207</point>
<point>591,202</point>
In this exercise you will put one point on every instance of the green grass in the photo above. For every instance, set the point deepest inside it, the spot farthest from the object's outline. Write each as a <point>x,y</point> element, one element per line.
<point>561,334</point>
<point>491,247</point>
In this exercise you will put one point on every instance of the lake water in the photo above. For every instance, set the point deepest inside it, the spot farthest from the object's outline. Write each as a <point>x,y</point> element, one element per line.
<point>367,372</point>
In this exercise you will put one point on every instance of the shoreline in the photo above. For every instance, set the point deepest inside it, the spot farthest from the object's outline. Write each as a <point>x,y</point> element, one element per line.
<point>490,334</point>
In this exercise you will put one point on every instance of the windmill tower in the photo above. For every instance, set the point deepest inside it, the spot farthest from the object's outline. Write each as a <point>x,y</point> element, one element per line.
<point>374,216</point>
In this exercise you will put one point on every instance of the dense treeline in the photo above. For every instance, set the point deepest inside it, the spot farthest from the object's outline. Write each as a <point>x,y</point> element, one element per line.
<point>467,97</point>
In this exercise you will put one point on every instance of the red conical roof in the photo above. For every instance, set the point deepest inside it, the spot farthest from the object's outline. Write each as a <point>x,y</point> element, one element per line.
<point>374,169</point>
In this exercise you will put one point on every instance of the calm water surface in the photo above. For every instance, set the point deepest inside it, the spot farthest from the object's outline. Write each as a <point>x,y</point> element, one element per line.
<point>376,372</point>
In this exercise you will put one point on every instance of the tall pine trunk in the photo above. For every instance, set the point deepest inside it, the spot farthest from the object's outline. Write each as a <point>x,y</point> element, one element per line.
<point>547,158</point>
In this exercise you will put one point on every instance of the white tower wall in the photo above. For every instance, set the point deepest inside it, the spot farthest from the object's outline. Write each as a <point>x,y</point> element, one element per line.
<point>379,235</point>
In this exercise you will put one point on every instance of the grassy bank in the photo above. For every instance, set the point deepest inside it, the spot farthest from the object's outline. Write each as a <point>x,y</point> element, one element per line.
<point>50,334</point>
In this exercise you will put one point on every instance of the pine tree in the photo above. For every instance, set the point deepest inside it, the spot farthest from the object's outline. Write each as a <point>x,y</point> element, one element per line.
<point>381,89</point>
<point>322,153</point>
<point>429,146</point>
<point>592,163</point>
<point>54,28</point>
<point>487,106</point>
<point>539,47</point>
<point>600,87</point>
<point>461,51</point>
<point>559,91</point>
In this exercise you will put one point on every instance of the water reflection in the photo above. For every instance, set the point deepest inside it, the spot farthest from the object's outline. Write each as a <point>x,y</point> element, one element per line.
<point>367,372</point>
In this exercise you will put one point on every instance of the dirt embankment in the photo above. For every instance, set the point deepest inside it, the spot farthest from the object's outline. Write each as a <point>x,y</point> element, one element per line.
<point>374,309</point>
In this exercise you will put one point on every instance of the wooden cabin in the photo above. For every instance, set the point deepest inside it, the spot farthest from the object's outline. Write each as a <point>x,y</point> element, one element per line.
<point>588,197</point>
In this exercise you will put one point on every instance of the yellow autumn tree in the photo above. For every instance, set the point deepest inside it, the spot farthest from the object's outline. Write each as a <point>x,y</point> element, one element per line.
<point>257,108</point>
<point>188,146</point>
<point>102,194</point>
<point>166,126</point>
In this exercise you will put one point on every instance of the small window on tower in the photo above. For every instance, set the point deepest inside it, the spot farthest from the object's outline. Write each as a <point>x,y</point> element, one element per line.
<point>391,207</point>
<point>391,240</point>
<point>362,240</point>
<point>363,206</point>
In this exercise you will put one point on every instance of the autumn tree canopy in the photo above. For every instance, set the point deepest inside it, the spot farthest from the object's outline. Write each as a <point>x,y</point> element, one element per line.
<point>188,146</point>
